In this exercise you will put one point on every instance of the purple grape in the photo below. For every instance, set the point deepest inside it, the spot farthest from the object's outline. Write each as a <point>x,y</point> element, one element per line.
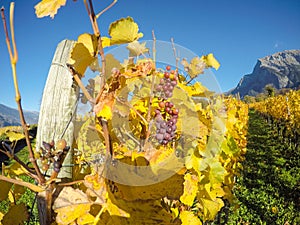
<point>167,109</point>
<point>56,169</point>
<point>170,88</point>
<point>173,120</point>
<point>157,125</point>
<point>174,127</point>
<point>164,142</point>
<point>169,130</point>
<point>167,136</point>
<point>157,112</point>
<point>159,88</point>
<point>56,164</point>
<point>159,137</point>
<point>47,146</point>
<point>162,130</point>
<point>170,123</point>
<point>169,94</point>
<point>163,124</point>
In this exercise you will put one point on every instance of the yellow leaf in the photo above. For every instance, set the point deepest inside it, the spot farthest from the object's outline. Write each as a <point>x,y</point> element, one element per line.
<point>94,66</point>
<point>16,170</point>
<point>105,42</point>
<point>48,7</point>
<point>90,41</point>
<point>135,48</point>
<point>111,64</point>
<point>217,171</point>
<point>175,212</point>
<point>84,53</point>
<point>14,136</point>
<point>68,214</point>
<point>274,210</point>
<point>211,208</point>
<point>196,89</point>
<point>114,210</point>
<point>123,31</point>
<point>69,196</point>
<point>11,197</point>
<point>189,218</point>
<point>215,191</point>
<point>211,61</point>
<point>86,219</point>
<point>1,215</point>
<point>70,205</point>
<point>190,189</point>
<point>105,112</point>
<point>195,67</point>
<point>17,214</point>
<point>80,58</point>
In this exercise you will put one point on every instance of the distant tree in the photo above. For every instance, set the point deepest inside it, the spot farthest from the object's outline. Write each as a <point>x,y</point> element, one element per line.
<point>249,99</point>
<point>260,97</point>
<point>270,90</point>
<point>284,91</point>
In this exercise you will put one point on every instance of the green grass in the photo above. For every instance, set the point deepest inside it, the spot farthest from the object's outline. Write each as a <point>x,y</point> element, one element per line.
<point>28,197</point>
<point>268,190</point>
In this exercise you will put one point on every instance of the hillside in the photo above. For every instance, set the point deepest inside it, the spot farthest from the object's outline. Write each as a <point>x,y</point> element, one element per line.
<point>281,70</point>
<point>10,116</point>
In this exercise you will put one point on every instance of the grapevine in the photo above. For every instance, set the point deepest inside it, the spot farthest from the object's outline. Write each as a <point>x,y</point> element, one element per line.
<point>282,111</point>
<point>158,147</point>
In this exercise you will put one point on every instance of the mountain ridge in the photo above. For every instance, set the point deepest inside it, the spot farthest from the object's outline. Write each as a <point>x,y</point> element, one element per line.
<point>281,70</point>
<point>10,116</point>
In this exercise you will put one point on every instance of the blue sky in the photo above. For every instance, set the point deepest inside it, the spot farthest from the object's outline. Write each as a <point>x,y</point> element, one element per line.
<point>237,32</point>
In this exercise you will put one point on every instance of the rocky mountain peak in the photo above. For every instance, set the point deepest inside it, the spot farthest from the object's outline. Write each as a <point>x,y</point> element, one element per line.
<point>282,70</point>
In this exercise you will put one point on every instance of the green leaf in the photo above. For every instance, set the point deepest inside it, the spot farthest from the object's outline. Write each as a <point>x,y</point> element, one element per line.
<point>229,146</point>
<point>217,171</point>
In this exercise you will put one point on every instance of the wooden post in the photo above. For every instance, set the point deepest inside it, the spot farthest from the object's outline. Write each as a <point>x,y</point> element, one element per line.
<point>58,106</point>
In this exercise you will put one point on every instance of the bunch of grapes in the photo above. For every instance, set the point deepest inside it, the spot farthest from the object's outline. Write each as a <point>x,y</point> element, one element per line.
<point>167,84</point>
<point>166,115</point>
<point>51,154</point>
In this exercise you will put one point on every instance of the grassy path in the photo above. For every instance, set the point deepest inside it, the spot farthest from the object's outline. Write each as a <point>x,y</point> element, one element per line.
<point>268,190</point>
